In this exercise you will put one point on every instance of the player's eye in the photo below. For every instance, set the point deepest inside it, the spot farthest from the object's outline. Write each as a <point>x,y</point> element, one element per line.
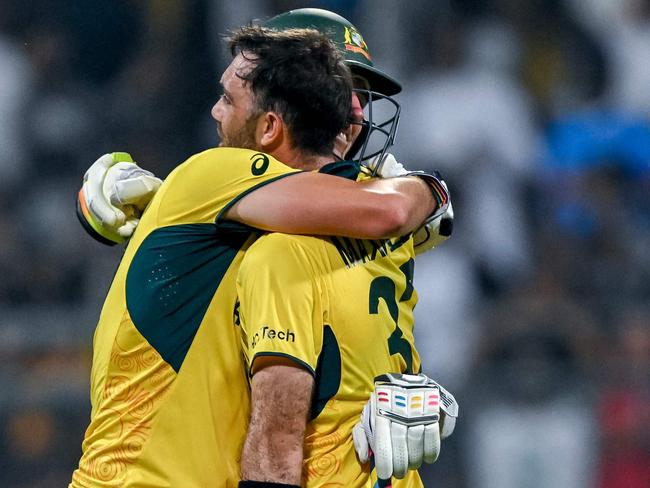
<point>363,99</point>
<point>224,98</point>
<point>360,84</point>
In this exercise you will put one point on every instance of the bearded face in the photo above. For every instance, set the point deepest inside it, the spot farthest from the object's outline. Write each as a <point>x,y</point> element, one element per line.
<point>235,111</point>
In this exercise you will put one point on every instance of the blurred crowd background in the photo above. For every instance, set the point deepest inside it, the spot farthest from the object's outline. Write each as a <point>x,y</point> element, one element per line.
<point>536,313</point>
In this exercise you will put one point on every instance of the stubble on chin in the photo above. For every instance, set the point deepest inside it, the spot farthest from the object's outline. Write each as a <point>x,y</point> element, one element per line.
<point>244,138</point>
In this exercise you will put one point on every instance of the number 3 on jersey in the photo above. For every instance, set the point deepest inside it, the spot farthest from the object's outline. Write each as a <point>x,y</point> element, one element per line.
<point>384,287</point>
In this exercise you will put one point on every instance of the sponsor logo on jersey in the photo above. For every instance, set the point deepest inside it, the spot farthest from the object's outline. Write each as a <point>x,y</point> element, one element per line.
<point>267,332</point>
<point>354,42</point>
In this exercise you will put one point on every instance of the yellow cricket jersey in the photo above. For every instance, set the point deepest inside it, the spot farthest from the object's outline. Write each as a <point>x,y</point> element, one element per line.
<point>170,398</point>
<point>343,309</point>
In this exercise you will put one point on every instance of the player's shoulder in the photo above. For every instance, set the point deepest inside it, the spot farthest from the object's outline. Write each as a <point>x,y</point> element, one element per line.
<point>280,250</point>
<point>228,165</point>
<point>277,240</point>
<point>234,157</point>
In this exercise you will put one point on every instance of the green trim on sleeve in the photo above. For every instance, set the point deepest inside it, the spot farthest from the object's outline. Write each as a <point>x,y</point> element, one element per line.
<point>300,362</point>
<point>232,202</point>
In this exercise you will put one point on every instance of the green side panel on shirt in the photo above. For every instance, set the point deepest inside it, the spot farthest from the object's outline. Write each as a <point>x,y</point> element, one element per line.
<point>172,280</point>
<point>328,373</point>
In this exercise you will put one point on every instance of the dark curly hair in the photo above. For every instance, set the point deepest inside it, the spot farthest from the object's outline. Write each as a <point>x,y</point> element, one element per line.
<point>300,75</point>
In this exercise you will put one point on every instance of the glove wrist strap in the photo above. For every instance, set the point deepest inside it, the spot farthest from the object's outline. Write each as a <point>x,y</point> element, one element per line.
<point>439,192</point>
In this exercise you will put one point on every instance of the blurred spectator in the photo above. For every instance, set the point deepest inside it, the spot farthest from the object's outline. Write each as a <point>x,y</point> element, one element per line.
<point>624,405</point>
<point>467,115</point>
<point>446,315</point>
<point>591,192</point>
<point>15,88</point>
<point>585,139</point>
<point>59,119</point>
<point>477,68</point>
<point>31,445</point>
<point>532,426</point>
<point>563,65</point>
<point>623,28</point>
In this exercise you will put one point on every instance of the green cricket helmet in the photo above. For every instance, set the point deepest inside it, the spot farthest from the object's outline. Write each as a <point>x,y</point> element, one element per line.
<point>347,39</point>
<point>376,136</point>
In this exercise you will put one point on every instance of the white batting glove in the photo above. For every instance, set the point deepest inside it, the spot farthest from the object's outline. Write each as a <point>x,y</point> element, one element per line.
<point>435,231</point>
<point>439,227</point>
<point>390,168</point>
<point>403,423</point>
<point>115,190</point>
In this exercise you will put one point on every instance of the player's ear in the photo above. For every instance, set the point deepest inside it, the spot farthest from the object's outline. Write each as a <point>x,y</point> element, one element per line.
<point>271,131</point>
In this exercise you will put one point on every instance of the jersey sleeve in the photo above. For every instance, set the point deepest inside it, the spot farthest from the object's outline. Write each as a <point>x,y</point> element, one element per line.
<point>205,186</point>
<point>281,304</point>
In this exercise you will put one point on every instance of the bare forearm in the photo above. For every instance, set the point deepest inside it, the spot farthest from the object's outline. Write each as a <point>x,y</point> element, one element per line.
<point>277,459</point>
<point>273,450</point>
<point>313,203</point>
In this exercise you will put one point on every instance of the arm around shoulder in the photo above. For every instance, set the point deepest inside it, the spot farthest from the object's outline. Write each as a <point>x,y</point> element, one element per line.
<point>315,203</point>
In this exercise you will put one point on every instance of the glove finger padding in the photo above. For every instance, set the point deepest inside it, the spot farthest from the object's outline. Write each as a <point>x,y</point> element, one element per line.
<point>106,214</point>
<point>93,193</point>
<point>398,434</point>
<point>403,423</point>
<point>383,448</point>
<point>130,186</point>
<point>388,167</point>
<point>448,425</point>
<point>361,443</point>
<point>128,228</point>
<point>431,443</point>
<point>415,446</point>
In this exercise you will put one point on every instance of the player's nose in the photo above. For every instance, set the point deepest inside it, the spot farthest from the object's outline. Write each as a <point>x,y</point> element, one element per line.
<point>357,108</point>
<point>216,112</point>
